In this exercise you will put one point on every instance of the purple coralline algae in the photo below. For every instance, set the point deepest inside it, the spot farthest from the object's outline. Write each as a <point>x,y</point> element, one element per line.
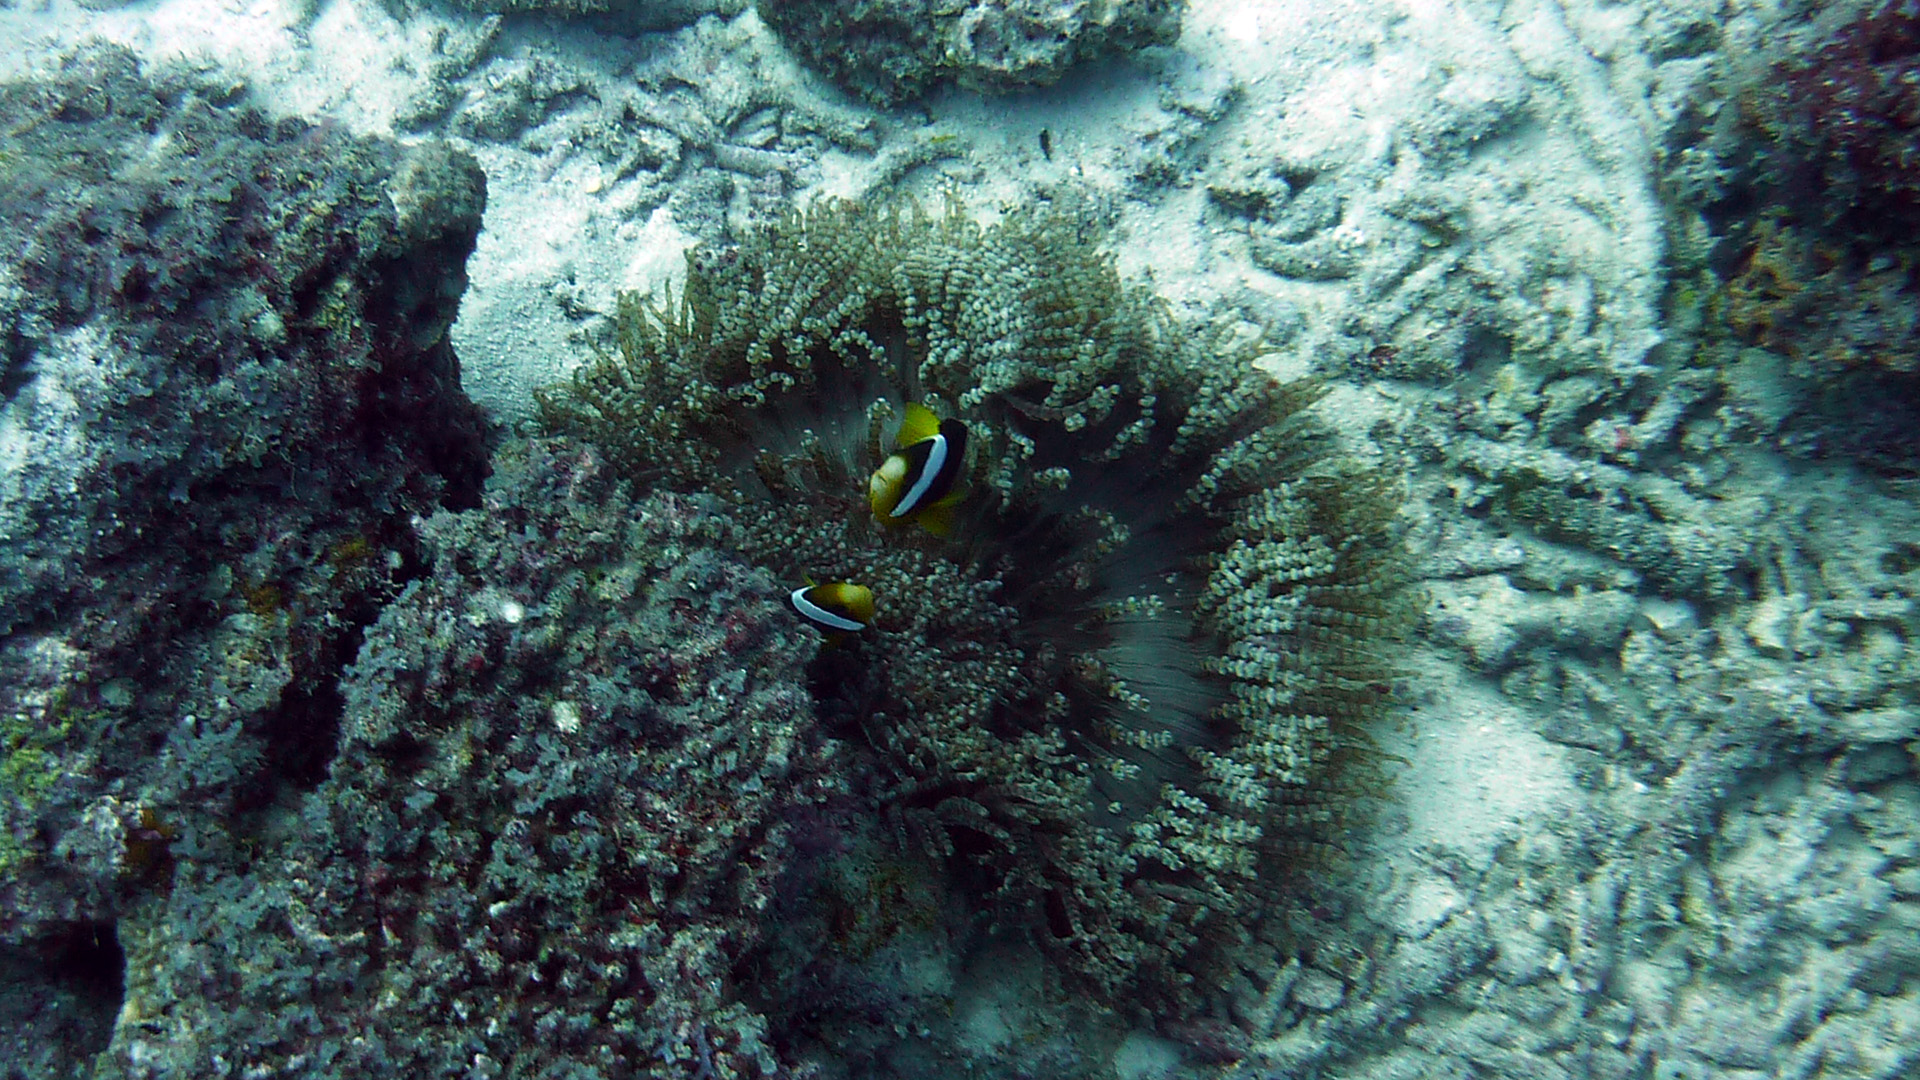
<point>1816,197</point>
<point>1852,109</point>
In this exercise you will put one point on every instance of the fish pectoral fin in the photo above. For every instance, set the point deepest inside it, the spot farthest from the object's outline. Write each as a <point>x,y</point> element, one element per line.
<point>919,425</point>
<point>942,519</point>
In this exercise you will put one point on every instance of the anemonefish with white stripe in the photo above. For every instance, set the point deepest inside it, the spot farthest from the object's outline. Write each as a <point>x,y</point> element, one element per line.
<point>919,483</point>
<point>837,607</point>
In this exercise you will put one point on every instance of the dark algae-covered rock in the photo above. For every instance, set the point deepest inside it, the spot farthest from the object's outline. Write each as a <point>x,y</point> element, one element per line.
<point>567,756</point>
<point>227,390</point>
<point>1120,675</point>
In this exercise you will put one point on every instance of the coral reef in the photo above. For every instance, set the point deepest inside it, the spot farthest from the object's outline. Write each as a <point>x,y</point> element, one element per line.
<point>890,51</point>
<point>567,759</point>
<point>1134,690</point>
<point>227,390</point>
<point>1800,165</point>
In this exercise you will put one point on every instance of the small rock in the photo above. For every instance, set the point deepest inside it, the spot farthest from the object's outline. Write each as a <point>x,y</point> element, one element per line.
<point>1771,626</point>
<point>1318,990</point>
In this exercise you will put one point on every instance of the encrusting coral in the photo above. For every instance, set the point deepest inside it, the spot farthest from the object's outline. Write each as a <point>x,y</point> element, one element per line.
<point>1131,690</point>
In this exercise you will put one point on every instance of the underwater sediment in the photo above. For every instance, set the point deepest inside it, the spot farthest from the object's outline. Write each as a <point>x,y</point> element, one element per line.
<point>1122,692</point>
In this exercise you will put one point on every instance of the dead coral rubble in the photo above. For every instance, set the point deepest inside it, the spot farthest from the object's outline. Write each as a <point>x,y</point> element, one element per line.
<point>895,51</point>
<point>557,814</point>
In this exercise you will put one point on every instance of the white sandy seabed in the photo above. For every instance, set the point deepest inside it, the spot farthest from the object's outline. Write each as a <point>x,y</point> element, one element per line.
<point>1648,825</point>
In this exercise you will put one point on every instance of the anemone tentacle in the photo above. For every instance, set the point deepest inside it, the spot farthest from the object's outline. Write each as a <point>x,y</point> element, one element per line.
<point>1136,683</point>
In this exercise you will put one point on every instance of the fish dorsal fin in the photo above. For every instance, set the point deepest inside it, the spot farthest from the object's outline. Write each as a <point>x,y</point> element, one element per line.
<point>919,425</point>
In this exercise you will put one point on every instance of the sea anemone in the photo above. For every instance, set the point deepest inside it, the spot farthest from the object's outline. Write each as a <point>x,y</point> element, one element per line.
<point>1131,688</point>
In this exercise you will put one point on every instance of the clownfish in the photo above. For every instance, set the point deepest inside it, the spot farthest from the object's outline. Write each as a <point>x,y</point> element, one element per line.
<point>920,482</point>
<point>838,607</point>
